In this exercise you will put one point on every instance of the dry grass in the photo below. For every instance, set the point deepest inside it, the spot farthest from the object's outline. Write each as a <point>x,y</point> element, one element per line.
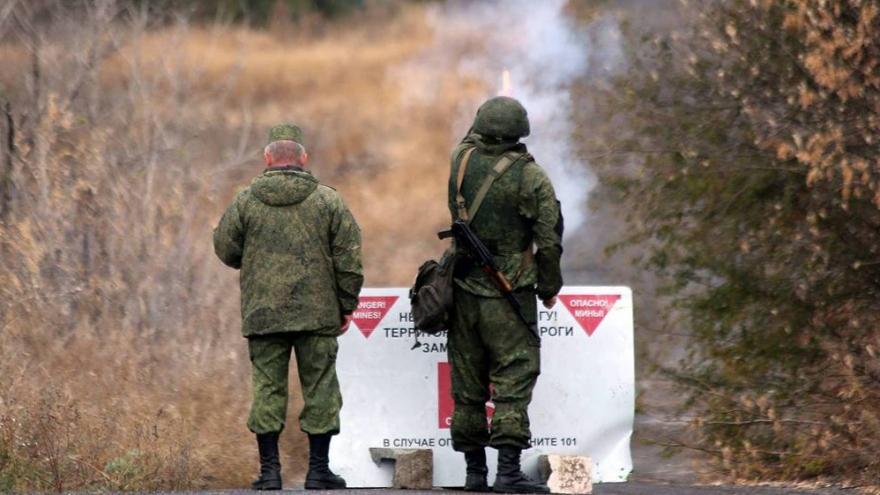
<point>121,363</point>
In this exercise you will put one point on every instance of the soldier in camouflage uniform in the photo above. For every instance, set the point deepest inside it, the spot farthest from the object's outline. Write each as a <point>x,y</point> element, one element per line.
<point>299,251</point>
<point>488,342</point>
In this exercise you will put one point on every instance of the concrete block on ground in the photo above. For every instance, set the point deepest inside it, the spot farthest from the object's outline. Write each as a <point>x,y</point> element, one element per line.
<point>566,473</point>
<point>413,468</point>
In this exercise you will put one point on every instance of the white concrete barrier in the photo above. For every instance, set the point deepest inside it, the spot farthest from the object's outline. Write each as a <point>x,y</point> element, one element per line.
<point>395,388</point>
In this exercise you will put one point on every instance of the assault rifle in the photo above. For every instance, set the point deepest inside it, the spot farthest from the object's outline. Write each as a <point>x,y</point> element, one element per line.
<point>480,254</point>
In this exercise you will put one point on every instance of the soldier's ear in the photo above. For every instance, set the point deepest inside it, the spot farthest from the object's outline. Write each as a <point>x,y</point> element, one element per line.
<point>304,159</point>
<point>267,159</point>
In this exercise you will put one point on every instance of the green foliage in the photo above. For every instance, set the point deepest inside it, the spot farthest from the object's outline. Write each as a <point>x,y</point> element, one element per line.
<point>125,469</point>
<point>11,468</point>
<point>737,169</point>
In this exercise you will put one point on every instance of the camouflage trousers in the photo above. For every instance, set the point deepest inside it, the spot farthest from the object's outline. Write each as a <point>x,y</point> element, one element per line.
<point>489,343</point>
<point>316,367</point>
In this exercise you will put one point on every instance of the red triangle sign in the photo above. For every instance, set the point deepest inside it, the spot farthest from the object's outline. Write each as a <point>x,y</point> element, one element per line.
<point>370,311</point>
<point>589,310</point>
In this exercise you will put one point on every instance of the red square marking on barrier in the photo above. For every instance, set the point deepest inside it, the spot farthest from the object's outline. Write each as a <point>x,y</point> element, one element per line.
<point>445,404</point>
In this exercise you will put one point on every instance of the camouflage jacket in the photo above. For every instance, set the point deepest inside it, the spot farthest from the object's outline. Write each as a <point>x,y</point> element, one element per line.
<point>520,209</point>
<point>299,251</point>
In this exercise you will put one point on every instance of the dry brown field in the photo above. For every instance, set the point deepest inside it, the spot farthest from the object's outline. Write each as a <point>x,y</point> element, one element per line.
<point>121,362</point>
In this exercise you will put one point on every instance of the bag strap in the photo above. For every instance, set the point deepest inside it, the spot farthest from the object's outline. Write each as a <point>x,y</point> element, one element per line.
<point>501,166</point>
<point>459,199</point>
<point>527,258</point>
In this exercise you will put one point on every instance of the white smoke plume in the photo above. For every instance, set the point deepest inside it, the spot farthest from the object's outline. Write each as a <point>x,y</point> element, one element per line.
<point>545,52</point>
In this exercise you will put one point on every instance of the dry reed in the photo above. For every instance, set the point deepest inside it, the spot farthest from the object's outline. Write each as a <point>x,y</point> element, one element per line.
<point>121,363</point>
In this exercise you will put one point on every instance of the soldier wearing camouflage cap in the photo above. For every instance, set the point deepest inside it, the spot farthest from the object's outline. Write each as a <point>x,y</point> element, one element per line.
<point>299,251</point>
<point>488,341</point>
<point>286,132</point>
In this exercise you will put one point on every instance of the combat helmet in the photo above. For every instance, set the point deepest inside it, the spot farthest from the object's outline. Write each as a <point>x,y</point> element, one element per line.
<point>502,117</point>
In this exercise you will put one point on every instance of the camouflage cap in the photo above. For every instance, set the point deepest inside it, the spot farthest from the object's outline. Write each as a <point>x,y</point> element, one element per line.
<point>286,132</point>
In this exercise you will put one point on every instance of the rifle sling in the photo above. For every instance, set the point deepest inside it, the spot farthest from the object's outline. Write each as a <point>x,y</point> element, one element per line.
<point>467,214</point>
<point>501,166</point>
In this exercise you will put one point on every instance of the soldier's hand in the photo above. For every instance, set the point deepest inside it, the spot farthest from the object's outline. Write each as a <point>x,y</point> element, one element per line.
<point>346,321</point>
<point>549,303</point>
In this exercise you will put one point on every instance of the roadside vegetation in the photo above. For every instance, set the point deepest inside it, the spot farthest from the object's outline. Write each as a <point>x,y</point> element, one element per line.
<point>125,134</point>
<point>750,171</point>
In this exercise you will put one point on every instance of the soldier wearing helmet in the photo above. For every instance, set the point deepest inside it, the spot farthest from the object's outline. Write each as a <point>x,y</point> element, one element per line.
<point>502,118</point>
<point>520,221</point>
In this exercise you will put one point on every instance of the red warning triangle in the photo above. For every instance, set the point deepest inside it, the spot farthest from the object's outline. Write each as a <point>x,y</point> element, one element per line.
<point>370,311</point>
<point>589,310</point>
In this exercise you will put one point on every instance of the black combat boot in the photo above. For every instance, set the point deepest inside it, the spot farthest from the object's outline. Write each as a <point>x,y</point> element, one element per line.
<point>319,476</point>
<point>476,471</point>
<point>510,478</point>
<point>270,466</point>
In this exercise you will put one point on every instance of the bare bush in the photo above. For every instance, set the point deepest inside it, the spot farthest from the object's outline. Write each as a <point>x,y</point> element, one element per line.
<point>750,175</point>
<point>121,361</point>
<point>116,355</point>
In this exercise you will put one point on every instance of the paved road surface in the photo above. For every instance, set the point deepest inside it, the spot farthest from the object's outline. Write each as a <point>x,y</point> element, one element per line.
<point>629,488</point>
<point>653,473</point>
